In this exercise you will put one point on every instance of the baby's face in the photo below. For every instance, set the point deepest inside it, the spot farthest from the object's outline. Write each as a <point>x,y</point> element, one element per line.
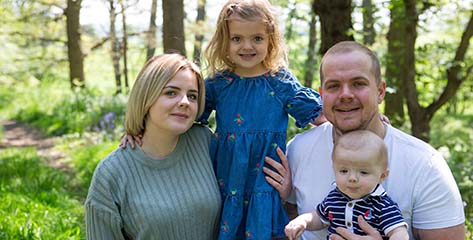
<point>357,175</point>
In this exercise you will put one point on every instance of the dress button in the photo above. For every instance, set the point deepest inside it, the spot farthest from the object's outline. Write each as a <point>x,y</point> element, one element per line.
<point>350,204</point>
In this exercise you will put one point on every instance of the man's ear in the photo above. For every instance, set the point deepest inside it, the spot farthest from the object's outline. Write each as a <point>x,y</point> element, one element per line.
<point>320,90</point>
<point>381,91</point>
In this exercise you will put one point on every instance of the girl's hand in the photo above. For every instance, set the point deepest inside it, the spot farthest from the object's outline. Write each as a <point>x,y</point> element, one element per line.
<point>384,118</point>
<point>280,180</point>
<point>131,140</point>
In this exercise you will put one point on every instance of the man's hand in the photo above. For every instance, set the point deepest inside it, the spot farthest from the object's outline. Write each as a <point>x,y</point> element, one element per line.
<point>280,180</point>
<point>344,234</point>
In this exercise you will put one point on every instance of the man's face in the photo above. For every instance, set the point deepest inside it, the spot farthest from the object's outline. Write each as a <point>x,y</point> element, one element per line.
<point>349,91</point>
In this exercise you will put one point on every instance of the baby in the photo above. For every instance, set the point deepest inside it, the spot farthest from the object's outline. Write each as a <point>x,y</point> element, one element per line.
<point>360,163</point>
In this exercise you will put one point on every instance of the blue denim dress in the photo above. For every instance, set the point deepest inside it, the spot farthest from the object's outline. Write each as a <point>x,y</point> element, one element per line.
<point>252,117</point>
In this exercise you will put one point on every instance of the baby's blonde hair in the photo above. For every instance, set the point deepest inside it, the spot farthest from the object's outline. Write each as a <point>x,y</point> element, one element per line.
<point>149,84</point>
<point>216,52</point>
<point>363,140</point>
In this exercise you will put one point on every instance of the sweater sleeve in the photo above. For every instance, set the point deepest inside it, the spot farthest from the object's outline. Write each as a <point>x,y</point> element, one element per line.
<point>102,217</point>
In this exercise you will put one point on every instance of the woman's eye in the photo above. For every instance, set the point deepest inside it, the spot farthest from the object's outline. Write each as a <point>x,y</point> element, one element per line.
<point>193,97</point>
<point>170,93</point>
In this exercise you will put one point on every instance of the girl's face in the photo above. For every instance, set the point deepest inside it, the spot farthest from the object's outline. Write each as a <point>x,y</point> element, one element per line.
<point>357,173</point>
<point>248,46</point>
<point>176,108</point>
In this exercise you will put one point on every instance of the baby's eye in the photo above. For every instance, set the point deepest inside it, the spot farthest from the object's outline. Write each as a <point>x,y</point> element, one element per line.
<point>364,173</point>
<point>343,171</point>
<point>235,39</point>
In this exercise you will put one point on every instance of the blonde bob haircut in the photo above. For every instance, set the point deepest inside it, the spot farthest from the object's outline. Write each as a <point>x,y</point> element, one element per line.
<point>149,85</point>
<point>216,52</point>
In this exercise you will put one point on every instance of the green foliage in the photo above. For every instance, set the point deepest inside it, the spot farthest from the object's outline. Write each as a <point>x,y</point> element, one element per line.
<point>453,136</point>
<point>35,201</point>
<point>56,110</point>
<point>84,152</point>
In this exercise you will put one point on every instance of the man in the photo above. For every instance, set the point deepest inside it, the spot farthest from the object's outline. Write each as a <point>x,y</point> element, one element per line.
<point>419,180</point>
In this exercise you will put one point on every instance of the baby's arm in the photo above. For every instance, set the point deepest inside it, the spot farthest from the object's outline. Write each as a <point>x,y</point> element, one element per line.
<point>131,140</point>
<point>307,221</point>
<point>399,233</point>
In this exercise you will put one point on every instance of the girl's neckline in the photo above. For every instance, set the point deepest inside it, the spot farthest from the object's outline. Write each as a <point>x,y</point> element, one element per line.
<point>265,74</point>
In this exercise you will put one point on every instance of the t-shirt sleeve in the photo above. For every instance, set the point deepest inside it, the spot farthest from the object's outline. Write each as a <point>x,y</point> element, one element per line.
<point>102,217</point>
<point>323,212</point>
<point>438,202</point>
<point>209,101</point>
<point>302,103</point>
<point>391,218</point>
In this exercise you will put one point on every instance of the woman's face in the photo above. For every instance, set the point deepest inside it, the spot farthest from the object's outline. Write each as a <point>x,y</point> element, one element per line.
<point>176,108</point>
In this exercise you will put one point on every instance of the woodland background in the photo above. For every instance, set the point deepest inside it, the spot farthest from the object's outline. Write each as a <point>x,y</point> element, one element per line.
<point>66,68</point>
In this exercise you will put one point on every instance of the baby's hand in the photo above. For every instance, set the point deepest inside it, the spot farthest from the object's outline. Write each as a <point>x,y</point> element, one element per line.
<point>295,228</point>
<point>130,139</point>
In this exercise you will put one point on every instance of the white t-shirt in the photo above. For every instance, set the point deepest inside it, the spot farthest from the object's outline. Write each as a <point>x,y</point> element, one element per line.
<point>419,180</point>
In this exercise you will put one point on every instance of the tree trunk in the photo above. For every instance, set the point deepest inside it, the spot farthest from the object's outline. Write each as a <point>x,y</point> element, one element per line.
<point>173,26</point>
<point>335,21</point>
<point>199,37</point>
<point>292,14</point>
<point>125,45</point>
<point>115,48</point>
<point>74,51</point>
<point>368,23</point>
<point>417,114</point>
<point>311,54</point>
<point>394,100</point>
<point>151,34</point>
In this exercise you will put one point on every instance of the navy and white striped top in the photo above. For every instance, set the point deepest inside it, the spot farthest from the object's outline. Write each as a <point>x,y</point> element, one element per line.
<point>378,209</point>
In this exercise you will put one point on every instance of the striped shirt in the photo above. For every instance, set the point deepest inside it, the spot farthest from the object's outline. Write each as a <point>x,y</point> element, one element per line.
<point>378,209</point>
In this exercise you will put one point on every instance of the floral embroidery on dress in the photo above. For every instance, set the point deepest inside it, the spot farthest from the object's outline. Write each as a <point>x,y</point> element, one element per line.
<point>239,120</point>
<point>224,227</point>
<point>231,137</point>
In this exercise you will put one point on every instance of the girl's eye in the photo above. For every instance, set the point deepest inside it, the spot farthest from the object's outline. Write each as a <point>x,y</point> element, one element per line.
<point>235,39</point>
<point>259,39</point>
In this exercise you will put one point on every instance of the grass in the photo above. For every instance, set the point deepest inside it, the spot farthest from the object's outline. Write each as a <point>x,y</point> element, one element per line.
<point>35,199</point>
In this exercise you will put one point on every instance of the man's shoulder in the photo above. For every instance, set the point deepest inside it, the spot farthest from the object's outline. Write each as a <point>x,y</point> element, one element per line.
<point>399,139</point>
<point>320,131</point>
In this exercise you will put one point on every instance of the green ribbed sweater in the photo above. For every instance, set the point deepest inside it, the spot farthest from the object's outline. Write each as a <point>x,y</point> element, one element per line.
<point>133,196</point>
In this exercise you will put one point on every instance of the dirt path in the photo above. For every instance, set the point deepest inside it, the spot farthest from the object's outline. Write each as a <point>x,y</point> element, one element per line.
<point>21,135</point>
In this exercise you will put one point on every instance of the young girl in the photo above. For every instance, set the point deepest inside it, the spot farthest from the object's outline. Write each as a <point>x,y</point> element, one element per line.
<point>252,92</point>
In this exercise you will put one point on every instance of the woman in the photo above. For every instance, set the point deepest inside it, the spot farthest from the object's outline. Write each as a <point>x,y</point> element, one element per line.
<point>165,189</point>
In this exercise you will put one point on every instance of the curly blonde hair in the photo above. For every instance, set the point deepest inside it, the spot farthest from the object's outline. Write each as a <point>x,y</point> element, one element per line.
<point>251,10</point>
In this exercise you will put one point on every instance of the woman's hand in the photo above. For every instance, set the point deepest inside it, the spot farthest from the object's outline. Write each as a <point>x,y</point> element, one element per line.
<point>280,180</point>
